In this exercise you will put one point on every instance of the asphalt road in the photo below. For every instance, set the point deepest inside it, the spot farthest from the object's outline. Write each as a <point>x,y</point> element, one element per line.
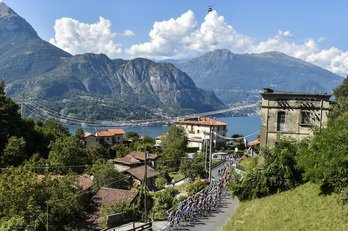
<point>214,221</point>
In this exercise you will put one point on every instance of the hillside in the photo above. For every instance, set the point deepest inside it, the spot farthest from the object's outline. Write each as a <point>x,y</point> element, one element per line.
<point>238,78</point>
<point>91,86</point>
<point>299,209</point>
<point>22,53</point>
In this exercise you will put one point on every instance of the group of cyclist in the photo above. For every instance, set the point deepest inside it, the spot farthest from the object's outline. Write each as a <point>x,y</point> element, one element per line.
<point>202,202</point>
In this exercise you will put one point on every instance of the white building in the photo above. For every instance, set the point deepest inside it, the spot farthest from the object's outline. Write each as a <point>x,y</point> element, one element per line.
<point>198,132</point>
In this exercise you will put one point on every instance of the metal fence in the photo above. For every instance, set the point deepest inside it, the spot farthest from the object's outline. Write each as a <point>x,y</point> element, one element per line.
<point>239,167</point>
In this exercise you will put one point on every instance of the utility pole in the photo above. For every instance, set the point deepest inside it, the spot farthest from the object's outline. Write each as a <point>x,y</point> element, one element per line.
<point>47,213</point>
<point>210,151</point>
<point>145,177</point>
<point>206,152</point>
<point>22,105</point>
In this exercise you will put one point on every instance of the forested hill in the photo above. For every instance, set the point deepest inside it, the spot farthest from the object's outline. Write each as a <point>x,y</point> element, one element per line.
<point>92,86</point>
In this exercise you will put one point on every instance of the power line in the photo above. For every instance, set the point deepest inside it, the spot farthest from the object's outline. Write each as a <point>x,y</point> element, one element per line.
<point>229,138</point>
<point>73,120</point>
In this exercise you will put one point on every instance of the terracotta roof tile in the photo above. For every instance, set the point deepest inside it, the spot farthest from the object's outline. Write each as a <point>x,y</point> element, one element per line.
<point>160,137</point>
<point>141,155</point>
<point>125,160</point>
<point>111,195</point>
<point>85,181</point>
<point>110,132</point>
<point>87,134</point>
<point>252,143</point>
<point>139,172</point>
<point>196,137</point>
<point>107,196</point>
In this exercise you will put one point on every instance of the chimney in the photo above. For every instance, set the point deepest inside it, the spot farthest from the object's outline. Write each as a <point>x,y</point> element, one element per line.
<point>268,90</point>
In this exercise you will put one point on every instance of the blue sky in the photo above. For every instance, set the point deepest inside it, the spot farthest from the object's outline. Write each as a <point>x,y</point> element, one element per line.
<point>314,31</point>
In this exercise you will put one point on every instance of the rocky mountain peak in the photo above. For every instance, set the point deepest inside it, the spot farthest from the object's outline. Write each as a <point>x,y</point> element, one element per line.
<point>10,21</point>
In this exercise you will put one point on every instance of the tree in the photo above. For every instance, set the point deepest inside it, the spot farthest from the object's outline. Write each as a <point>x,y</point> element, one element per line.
<point>68,151</point>
<point>163,200</point>
<point>79,133</point>
<point>14,152</point>
<point>238,142</point>
<point>134,136</point>
<point>280,172</point>
<point>97,151</point>
<point>37,164</point>
<point>146,144</point>
<point>193,168</point>
<point>55,128</point>
<point>119,151</point>
<point>25,196</point>
<point>9,117</point>
<point>341,100</point>
<point>195,187</point>
<point>105,175</point>
<point>173,147</point>
<point>128,212</point>
<point>160,182</point>
<point>14,223</point>
<point>249,163</point>
<point>325,158</point>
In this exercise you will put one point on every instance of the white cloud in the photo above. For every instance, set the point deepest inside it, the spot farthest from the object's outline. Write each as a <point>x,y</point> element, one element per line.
<point>285,34</point>
<point>184,38</point>
<point>128,33</point>
<point>279,43</point>
<point>333,60</point>
<point>77,38</point>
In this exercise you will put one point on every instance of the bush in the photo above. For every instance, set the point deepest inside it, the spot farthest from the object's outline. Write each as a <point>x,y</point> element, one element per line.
<point>195,187</point>
<point>280,173</point>
<point>160,182</point>
<point>127,211</point>
<point>163,200</point>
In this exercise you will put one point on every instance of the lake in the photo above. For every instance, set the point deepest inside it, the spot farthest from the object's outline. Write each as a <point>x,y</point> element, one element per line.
<point>237,125</point>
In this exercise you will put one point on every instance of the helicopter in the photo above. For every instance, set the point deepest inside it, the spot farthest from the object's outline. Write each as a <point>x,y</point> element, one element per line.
<point>210,9</point>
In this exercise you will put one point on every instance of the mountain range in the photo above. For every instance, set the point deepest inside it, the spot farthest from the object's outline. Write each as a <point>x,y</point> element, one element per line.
<point>94,87</point>
<point>238,78</point>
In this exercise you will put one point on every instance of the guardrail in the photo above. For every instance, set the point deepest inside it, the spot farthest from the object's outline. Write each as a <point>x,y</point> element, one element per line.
<point>218,163</point>
<point>239,167</point>
<point>147,226</point>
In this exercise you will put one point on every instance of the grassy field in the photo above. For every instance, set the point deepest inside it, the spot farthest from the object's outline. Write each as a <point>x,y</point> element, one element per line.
<point>176,175</point>
<point>298,209</point>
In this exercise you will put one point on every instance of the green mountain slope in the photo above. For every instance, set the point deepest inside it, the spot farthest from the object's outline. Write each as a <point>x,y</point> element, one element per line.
<point>92,86</point>
<point>22,53</point>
